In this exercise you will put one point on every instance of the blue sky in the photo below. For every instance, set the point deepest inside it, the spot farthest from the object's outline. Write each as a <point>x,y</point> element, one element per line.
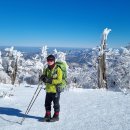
<point>64,23</point>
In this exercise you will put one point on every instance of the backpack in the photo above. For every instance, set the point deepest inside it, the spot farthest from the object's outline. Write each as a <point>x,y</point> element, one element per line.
<point>63,67</point>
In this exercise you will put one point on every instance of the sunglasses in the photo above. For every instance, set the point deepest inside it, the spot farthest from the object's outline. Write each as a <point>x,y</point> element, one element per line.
<point>50,60</point>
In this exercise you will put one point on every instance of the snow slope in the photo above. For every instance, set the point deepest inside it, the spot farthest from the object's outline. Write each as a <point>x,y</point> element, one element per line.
<point>81,109</point>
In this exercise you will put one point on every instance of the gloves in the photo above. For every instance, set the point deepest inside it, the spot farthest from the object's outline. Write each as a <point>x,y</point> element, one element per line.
<point>47,80</point>
<point>42,78</point>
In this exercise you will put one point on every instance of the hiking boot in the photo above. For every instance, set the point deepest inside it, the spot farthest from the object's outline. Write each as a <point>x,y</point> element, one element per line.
<point>46,118</point>
<point>55,117</point>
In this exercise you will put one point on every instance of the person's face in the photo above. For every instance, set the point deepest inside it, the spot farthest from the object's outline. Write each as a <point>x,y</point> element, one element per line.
<point>50,62</point>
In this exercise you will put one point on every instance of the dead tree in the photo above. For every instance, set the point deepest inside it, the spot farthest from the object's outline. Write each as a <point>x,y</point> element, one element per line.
<point>102,79</point>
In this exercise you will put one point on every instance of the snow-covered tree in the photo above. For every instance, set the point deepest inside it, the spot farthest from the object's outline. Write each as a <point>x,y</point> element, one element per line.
<point>11,62</point>
<point>1,67</point>
<point>118,66</point>
<point>44,54</point>
<point>4,78</point>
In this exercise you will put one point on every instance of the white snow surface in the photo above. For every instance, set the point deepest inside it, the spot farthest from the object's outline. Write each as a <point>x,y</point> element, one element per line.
<point>81,109</point>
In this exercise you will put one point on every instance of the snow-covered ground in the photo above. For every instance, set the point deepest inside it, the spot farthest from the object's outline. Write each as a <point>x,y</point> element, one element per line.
<point>81,109</point>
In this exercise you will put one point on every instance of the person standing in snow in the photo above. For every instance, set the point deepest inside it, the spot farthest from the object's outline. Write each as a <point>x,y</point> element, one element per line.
<point>52,76</point>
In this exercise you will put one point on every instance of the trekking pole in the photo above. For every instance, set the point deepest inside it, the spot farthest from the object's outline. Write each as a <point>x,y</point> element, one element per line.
<point>33,97</point>
<point>32,101</point>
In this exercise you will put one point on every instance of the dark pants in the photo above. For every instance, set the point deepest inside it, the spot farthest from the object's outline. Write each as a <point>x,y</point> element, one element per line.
<point>52,97</point>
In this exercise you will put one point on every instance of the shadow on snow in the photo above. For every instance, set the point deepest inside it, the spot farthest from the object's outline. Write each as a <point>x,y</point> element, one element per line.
<point>14,112</point>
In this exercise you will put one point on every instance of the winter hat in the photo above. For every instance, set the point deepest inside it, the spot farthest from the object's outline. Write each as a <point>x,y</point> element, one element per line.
<point>51,57</point>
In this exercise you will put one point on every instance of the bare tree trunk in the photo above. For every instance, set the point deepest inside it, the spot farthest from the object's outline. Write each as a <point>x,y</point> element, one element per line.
<point>102,78</point>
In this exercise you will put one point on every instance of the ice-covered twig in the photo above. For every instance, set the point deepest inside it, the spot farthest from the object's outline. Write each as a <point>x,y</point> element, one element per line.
<point>105,33</point>
<point>103,40</point>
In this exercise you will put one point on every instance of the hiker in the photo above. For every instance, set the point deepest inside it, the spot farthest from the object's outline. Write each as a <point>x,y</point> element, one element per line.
<point>52,77</point>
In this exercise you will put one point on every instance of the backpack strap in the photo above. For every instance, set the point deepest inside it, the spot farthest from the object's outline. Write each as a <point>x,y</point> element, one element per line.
<point>54,72</point>
<point>45,71</point>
